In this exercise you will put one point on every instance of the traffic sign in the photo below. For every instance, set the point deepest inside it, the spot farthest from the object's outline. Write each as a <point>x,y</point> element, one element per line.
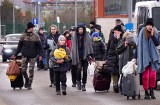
<point>35,21</point>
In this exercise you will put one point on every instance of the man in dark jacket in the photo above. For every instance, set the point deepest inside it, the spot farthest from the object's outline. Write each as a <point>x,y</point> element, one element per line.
<point>43,63</point>
<point>92,27</point>
<point>30,45</point>
<point>53,38</point>
<point>112,56</point>
<point>98,29</point>
<point>81,48</point>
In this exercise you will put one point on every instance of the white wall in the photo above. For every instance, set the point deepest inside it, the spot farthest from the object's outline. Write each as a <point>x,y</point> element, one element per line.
<point>108,23</point>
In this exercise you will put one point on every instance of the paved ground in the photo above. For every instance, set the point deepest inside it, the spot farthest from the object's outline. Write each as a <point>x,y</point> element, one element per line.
<point>42,94</point>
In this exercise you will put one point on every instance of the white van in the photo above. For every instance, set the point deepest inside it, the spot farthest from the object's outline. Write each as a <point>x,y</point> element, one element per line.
<point>147,9</point>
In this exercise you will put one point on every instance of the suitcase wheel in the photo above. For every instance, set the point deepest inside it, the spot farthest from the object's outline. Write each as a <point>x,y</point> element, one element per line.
<point>127,97</point>
<point>139,96</point>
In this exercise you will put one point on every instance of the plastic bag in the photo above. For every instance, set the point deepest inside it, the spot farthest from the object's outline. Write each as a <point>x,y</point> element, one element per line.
<point>91,69</point>
<point>129,68</point>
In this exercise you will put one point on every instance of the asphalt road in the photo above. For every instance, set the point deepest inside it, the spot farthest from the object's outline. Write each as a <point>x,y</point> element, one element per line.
<point>42,94</point>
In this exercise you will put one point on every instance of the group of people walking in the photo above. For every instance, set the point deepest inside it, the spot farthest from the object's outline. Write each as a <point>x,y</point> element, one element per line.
<point>76,48</point>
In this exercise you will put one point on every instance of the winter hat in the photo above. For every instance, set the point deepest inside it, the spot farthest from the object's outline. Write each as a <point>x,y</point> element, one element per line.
<point>72,28</point>
<point>118,28</point>
<point>30,25</point>
<point>61,38</point>
<point>149,22</point>
<point>92,22</point>
<point>95,34</point>
<point>97,26</point>
<point>66,32</point>
<point>118,20</point>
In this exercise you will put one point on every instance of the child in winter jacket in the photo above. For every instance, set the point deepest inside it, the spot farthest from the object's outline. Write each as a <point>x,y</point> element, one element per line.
<point>60,57</point>
<point>99,48</point>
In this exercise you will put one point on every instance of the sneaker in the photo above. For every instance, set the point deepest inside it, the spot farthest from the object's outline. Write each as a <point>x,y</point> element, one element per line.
<point>29,87</point>
<point>79,85</point>
<point>58,93</point>
<point>83,87</point>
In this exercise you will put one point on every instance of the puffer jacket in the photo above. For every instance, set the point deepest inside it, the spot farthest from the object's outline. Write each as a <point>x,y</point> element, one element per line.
<point>99,50</point>
<point>30,45</point>
<point>112,56</point>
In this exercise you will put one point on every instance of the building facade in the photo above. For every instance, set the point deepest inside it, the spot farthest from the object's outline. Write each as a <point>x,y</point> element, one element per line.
<point>107,11</point>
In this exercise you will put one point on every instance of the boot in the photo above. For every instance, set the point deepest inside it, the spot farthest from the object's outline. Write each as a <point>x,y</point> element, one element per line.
<point>152,93</point>
<point>83,87</point>
<point>116,89</point>
<point>29,85</point>
<point>26,82</point>
<point>64,90</point>
<point>147,96</point>
<point>79,85</point>
<point>74,85</point>
<point>58,93</point>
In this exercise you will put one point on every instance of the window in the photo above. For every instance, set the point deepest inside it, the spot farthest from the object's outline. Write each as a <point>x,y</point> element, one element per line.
<point>142,16</point>
<point>115,7</point>
<point>156,15</point>
<point>118,6</point>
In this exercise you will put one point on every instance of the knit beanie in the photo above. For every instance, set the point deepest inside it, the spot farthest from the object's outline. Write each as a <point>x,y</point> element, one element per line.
<point>92,22</point>
<point>118,28</point>
<point>95,34</point>
<point>97,26</point>
<point>30,25</point>
<point>61,38</point>
<point>149,22</point>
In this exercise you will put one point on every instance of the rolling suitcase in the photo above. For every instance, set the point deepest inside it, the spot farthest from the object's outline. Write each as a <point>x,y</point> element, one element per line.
<point>131,86</point>
<point>101,81</point>
<point>18,82</point>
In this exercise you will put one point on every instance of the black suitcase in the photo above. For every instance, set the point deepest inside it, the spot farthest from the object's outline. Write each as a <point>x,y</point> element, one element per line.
<point>18,82</point>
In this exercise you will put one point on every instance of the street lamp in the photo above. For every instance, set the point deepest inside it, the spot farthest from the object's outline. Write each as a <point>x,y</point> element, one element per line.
<point>13,18</point>
<point>75,13</point>
<point>39,13</point>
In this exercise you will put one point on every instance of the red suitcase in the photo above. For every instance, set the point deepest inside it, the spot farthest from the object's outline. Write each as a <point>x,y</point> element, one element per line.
<point>101,81</point>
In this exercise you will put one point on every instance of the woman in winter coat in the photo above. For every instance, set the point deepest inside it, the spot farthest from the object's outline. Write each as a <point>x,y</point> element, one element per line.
<point>53,36</point>
<point>112,57</point>
<point>147,57</point>
<point>98,47</point>
<point>68,38</point>
<point>125,49</point>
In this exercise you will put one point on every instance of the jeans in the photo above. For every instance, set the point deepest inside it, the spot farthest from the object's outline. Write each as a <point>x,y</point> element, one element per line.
<point>82,66</point>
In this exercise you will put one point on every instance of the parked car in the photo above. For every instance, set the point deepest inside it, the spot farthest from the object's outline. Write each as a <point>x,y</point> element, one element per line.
<point>10,46</point>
